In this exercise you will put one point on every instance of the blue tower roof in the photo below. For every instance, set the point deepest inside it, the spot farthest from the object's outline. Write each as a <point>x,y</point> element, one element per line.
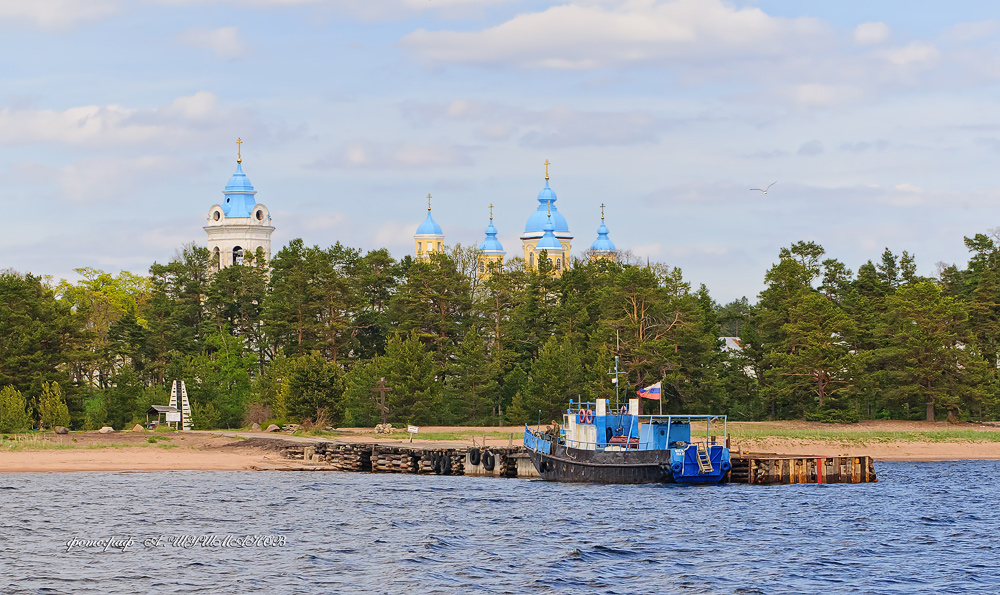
<point>536,222</point>
<point>549,240</point>
<point>429,227</point>
<point>491,243</point>
<point>239,194</point>
<point>602,243</point>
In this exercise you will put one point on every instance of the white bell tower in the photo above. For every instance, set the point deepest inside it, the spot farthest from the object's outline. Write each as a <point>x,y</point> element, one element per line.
<point>240,224</point>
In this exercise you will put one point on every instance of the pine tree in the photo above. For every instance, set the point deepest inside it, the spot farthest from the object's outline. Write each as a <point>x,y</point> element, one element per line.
<point>13,411</point>
<point>52,409</point>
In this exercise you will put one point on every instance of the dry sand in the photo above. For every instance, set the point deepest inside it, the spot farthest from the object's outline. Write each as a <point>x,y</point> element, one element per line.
<point>128,451</point>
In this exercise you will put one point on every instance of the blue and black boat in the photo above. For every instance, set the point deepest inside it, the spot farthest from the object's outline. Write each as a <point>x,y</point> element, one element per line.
<point>603,443</point>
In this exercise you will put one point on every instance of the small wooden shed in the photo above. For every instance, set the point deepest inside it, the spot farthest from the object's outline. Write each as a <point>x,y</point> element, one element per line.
<point>170,414</point>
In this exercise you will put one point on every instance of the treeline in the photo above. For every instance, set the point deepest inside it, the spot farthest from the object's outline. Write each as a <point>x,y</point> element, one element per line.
<point>308,335</point>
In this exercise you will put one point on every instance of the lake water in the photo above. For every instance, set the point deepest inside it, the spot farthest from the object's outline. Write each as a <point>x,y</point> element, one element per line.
<point>924,528</point>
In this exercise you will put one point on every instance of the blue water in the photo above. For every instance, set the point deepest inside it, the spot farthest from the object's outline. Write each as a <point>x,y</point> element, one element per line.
<point>924,528</point>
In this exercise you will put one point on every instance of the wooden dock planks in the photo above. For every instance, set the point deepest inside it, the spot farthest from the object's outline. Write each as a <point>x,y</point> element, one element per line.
<point>766,469</point>
<point>748,468</point>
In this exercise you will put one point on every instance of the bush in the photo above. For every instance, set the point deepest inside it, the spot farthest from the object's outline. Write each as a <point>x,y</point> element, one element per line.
<point>257,413</point>
<point>13,411</point>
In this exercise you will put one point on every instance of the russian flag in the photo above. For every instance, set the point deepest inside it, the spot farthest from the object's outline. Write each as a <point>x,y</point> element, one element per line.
<point>651,392</point>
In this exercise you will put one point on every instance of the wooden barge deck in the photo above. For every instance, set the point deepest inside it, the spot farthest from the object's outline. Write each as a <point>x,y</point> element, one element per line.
<point>513,461</point>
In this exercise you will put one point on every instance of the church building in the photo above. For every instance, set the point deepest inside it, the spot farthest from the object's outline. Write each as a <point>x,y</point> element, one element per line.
<point>429,237</point>
<point>602,248</point>
<point>557,241</point>
<point>240,224</point>
<point>546,230</point>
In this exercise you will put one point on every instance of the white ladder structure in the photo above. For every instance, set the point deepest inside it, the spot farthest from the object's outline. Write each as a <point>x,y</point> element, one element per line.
<point>704,461</point>
<point>179,399</point>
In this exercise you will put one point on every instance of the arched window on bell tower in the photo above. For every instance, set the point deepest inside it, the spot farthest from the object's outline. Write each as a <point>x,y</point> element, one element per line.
<point>237,255</point>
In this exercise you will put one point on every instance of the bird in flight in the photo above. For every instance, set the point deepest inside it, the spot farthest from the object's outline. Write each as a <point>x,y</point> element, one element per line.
<point>764,190</point>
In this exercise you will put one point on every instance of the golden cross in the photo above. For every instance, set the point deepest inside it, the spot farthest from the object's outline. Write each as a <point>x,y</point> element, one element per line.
<point>550,208</point>
<point>239,155</point>
<point>491,211</point>
<point>428,201</point>
<point>602,211</point>
<point>547,170</point>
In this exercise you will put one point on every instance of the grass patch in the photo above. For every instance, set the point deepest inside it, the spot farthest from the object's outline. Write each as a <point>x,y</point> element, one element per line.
<point>860,436</point>
<point>459,436</point>
<point>25,445</point>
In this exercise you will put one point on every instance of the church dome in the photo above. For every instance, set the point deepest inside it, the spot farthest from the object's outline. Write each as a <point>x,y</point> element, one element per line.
<point>549,240</point>
<point>603,243</point>
<point>536,223</point>
<point>491,243</point>
<point>239,194</point>
<point>429,227</point>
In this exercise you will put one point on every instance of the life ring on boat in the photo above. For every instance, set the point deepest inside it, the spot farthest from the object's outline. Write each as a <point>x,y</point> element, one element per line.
<point>488,461</point>
<point>475,456</point>
<point>586,416</point>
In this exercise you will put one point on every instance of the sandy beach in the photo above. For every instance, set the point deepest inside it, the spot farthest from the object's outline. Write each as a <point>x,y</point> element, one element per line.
<point>229,451</point>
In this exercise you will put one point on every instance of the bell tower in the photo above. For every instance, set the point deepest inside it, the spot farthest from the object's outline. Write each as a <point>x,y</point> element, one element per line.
<point>239,225</point>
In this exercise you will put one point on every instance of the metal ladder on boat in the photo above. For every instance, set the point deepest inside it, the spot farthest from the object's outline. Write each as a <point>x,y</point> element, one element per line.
<point>704,461</point>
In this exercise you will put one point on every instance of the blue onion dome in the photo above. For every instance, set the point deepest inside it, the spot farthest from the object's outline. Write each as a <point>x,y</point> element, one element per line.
<point>549,240</point>
<point>239,193</point>
<point>536,223</point>
<point>602,243</point>
<point>429,227</point>
<point>491,243</point>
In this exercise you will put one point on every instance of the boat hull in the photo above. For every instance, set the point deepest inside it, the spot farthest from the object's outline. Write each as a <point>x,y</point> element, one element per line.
<point>611,467</point>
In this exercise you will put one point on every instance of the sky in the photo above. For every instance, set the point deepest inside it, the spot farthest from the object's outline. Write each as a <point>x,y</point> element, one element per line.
<point>879,121</point>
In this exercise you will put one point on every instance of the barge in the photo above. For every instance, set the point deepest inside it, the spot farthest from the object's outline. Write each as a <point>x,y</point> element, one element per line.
<point>601,443</point>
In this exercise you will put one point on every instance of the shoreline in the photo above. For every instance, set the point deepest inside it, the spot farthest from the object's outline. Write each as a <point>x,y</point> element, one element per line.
<point>239,450</point>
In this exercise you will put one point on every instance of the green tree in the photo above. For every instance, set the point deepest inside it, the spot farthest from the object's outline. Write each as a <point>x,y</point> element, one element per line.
<point>472,392</point>
<point>412,375</point>
<point>814,360</point>
<point>52,409</point>
<point>930,360</point>
<point>13,411</point>
<point>315,385</point>
<point>41,338</point>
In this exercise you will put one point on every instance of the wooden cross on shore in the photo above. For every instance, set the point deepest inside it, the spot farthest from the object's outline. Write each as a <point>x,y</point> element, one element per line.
<point>381,388</point>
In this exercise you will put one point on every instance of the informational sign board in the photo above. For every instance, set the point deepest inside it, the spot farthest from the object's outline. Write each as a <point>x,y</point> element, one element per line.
<point>412,429</point>
<point>173,416</point>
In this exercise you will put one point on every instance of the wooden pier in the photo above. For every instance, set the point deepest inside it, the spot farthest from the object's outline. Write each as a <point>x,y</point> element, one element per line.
<point>513,461</point>
<point>766,469</point>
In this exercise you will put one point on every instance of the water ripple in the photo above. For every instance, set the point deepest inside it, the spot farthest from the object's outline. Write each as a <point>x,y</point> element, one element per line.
<point>924,528</point>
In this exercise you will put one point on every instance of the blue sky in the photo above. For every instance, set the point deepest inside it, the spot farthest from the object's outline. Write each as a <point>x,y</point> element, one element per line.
<point>879,121</point>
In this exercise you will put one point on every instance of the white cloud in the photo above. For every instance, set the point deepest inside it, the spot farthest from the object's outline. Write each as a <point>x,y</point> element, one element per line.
<point>181,122</point>
<point>324,221</point>
<point>587,36</point>
<point>107,179</point>
<point>871,33</point>
<point>824,95</point>
<point>225,42</point>
<point>557,127</point>
<point>56,14</point>
<point>363,155</point>
<point>811,148</point>
<point>972,31</point>
<point>916,53</point>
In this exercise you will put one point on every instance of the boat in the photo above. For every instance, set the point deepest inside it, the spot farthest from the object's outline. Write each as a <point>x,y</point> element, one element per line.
<point>608,443</point>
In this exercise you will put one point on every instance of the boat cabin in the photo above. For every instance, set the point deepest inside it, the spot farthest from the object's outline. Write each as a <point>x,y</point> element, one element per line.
<point>603,426</point>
